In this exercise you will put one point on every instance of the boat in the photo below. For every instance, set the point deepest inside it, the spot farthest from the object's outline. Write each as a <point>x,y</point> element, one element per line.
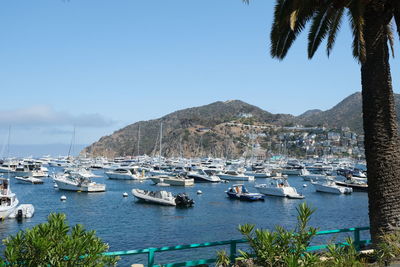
<point>357,186</point>
<point>125,174</point>
<point>8,199</point>
<point>329,186</point>
<point>173,180</point>
<point>313,177</point>
<point>200,176</point>
<point>239,191</point>
<point>259,173</point>
<point>163,198</point>
<point>29,180</point>
<point>74,181</point>
<point>23,211</point>
<point>278,186</point>
<point>234,175</point>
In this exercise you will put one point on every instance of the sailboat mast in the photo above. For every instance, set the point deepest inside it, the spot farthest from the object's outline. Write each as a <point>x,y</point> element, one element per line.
<point>138,142</point>
<point>160,140</point>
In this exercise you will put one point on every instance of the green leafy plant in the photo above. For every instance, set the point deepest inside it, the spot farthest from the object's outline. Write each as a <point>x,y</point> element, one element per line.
<point>282,247</point>
<point>54,243</point>
<point>222,259</point>
<point>343,255</point>
<point>388,249</point>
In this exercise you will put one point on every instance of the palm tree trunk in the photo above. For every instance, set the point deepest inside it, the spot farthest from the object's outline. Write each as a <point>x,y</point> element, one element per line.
<point>382,146</point>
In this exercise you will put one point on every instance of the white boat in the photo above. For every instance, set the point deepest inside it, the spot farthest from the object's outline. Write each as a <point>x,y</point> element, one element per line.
<point>23,211</point>
<point>200,176</point>
<point>163,198</point>
<point>8,199</point>
<point>29,180</point>
<point>157,197</point>
<point>329,186</point>
<point>259,173</point>
<point>173,180</point>
<point>278,186</point>
<point>314,177</point>
<point>125,174</point>
<point>234,175</point>
<point>73,181</point>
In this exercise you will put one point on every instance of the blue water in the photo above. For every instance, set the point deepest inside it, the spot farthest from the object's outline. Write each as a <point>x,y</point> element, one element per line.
<point>127,224</point>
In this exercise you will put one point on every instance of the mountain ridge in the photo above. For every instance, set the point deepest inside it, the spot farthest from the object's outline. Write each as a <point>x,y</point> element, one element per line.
<point>208,130</point>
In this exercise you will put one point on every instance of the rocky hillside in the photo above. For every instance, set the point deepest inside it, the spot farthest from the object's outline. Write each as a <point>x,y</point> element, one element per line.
<point>206,130</point>
<point>189,132</point>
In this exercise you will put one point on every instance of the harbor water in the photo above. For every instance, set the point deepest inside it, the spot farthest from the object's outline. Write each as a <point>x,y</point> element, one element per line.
<point>125,224</point>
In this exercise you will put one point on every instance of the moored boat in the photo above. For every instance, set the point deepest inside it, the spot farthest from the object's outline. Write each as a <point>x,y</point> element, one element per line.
<point>329,186</point>
<point>278,186</point>
<point>163,198</point>
<point>8,199</point>
<point>73,181</point>
<point>239,191</point>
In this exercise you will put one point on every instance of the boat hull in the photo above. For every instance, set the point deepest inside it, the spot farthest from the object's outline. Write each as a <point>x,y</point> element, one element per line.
<point>91,187</point>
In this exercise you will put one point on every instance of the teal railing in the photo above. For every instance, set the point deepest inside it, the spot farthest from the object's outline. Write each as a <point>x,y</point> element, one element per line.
<point>232,245</point>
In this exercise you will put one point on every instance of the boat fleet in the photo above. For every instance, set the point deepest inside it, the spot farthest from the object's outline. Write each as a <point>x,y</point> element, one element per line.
<point>270,177</point>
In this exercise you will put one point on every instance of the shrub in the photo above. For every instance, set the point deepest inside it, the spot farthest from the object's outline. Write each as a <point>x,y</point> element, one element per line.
<point>54,244</point>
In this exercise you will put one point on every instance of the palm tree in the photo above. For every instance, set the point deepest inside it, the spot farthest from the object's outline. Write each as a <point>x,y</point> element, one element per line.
<point>372,32</point>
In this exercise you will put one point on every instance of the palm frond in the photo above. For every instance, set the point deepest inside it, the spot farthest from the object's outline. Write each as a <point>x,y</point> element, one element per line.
<point>355,14</point>
<point>389,34</point>
<point>284,29</point>
<point>333,29</point>
<point>320,26</point>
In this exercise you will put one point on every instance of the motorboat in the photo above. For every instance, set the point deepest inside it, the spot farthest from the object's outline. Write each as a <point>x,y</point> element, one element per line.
<point>8,199</point>
<point>239,191</point>
<point>173,180</point>
<point>259,173</point>
<point>329,186</point>
<point>200,176</point>
<point>357,186</point>
<point>23,211</point>
<point>163,198</point>
<point>234,175</point>
<point>125,174</point>
<point>278,186</point>
<point>313,177</point>
<point>74,181</point>
<point>29,180</point>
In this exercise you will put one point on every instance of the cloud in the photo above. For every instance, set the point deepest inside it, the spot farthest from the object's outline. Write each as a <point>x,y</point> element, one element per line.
<point>44,115</point>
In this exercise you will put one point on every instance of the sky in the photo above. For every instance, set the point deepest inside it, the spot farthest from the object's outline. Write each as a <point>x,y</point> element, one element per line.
<point>99,65</point>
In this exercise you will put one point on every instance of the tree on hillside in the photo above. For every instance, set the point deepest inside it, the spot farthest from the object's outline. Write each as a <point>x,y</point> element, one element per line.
<point>371,24</point>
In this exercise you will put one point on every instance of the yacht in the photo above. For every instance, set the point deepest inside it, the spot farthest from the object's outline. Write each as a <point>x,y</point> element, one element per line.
<point>200,176</point>
<point>278,186</point>
<point>125,174</point>
<point>172,180</point>
<point>234,175</point>
<point>8,199</point>
<point>74,181</point>
<point>329,186</point>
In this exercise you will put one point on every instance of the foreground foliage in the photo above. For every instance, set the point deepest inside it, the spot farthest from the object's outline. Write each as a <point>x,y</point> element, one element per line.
<point>54,244</point>
<point>288,248</point>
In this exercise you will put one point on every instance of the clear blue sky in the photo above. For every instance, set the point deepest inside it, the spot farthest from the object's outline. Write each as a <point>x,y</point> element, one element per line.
<point>103,64</point>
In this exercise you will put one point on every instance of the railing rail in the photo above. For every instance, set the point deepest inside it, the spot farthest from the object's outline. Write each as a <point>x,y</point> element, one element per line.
<point>232,248</point>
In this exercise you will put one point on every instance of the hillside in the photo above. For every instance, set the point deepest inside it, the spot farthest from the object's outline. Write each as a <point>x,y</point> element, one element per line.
<point>183,133</point>
<point>205,130</point>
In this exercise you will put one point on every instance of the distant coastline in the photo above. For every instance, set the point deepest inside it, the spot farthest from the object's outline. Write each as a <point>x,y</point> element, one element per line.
<point>39,150</point>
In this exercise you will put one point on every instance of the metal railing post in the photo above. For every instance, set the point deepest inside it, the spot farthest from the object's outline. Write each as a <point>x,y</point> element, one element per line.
<point>150,258</point>
<point>232,255</point>
<point>357,238</point>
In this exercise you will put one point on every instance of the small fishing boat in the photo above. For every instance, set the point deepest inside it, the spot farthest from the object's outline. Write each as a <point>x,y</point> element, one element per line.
<point>163,198</point>
<point>29,180</point>
<point>278,186</point>
<point>239,191</point>
<point>329,186</point>
<point>23,211</point>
